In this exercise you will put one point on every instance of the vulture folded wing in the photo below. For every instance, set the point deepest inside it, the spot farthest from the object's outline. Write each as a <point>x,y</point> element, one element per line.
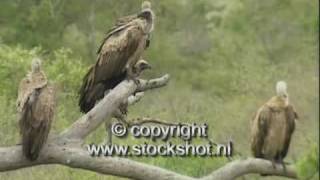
<point>45,105</point>
<point>291,115</point>
<point>260,130</point>
<point>24,92</point>
<point>116,51</point>
<point>123,21</point>
<point>120,24</point>
<point>88,80</point>
<point>113,31</point>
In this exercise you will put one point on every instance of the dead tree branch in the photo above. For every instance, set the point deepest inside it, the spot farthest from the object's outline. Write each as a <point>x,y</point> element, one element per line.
<point>239,168</point>
<point>148,120</point>
<point>77,157</point>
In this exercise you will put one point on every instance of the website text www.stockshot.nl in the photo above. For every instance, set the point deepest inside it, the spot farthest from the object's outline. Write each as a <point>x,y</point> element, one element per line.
<point>184,131</point>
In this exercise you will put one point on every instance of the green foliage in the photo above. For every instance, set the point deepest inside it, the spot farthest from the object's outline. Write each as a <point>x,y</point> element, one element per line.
<point>308,166</point>
<point>13,60</point>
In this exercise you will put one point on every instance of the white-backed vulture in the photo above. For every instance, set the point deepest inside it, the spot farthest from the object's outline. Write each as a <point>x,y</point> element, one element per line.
<point>272,127</point>
<point>35,106</point>
<point>117,56</point>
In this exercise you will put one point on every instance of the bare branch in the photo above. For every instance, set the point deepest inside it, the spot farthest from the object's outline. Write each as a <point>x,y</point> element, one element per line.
<point>249,166</point>
<point>76,157</point>
<point>153,83</point>
<point>11,158</point>
<point>148,120</point>
<point>108,105</point>
<point>135,98</point>
<point>121,167</point>
<point>102,111</point>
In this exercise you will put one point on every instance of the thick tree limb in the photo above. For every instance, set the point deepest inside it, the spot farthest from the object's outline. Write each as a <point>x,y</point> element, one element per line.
<point>107,106</point>
<point>62,149</point>
<point>102,111</point>
<point>153,83</point>
<point>11,158</point>
<point>249,166</point>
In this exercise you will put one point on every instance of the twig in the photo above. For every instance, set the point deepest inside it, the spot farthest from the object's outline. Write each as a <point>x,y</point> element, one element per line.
<point>148,120</point>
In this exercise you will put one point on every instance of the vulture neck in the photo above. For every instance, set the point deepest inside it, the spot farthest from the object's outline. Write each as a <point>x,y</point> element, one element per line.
<point>278,101</point>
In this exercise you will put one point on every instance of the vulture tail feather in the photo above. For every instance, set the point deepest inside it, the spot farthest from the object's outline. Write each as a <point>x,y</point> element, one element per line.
<point>90,95</point>
<point>84,102</point>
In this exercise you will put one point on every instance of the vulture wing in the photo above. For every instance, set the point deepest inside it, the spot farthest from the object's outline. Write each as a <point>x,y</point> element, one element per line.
<point>116,52</point>
<point>123,21</point>
<point>260,130</point>
<point>291,115</point>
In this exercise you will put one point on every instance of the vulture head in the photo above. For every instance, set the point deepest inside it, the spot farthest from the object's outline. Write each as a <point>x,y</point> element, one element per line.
<point>146,5</point>
<point>281,89</point>
<point>142,65</point>
<point>36,65</point>
<point>147,15</point>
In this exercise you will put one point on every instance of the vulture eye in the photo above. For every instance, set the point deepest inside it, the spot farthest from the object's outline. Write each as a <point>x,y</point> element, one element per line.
<point>145,15</point>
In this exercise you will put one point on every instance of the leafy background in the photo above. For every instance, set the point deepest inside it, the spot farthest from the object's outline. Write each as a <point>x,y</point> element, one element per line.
<point>224,58</point>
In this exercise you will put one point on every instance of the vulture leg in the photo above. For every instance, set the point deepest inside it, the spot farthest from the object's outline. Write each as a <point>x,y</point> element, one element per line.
<point>280,161</point>
<point>284,167</point>
<point>273,163</point>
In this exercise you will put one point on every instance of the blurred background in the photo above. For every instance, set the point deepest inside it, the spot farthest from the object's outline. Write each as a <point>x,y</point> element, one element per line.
<point>224,58</point>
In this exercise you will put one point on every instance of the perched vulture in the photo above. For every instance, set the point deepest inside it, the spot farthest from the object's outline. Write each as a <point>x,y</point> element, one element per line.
<point>272,127</point>
<point>35,106</point>
<point>117,56</point>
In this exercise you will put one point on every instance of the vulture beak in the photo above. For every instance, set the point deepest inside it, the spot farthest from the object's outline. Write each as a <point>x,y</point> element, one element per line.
<point>146,66</point>
<point>142,65</point>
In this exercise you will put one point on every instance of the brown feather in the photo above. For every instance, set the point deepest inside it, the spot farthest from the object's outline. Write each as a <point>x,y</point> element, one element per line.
<point>291,117</point>
<point>260,130</point>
